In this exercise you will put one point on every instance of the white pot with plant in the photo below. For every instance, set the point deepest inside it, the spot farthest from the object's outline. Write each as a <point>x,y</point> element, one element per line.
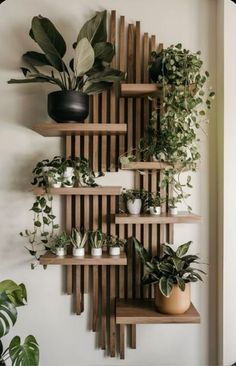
<point>69,176</point>
<point>114,244</point>
<point>153,203</point>
<point>60,243</point>
<point>79,238</point>
<point>133,199</point>
<point>172,204</point>
<point>171,272</point>
<point>97,241</point>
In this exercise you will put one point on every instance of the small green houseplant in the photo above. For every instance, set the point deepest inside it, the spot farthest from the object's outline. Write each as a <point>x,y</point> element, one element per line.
<point>97,240</point>
<point>89,71</point>
<point>153,202</point>
<point>172,271</point>
<point>13,296</point>
<point>114,244</point>
<point>59,244</point>
<point>133,199</point>
<point>79,238</point>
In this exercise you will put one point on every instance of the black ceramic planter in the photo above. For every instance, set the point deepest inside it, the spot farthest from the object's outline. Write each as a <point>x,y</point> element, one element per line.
<point>68,106</point>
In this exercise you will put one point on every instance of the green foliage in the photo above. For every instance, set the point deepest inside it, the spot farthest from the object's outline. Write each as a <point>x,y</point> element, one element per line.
<point>90,69</point>
<point>115,242</point>
<point>61,240</point>
<point>12,296</point>
<point>97,239</point>
<point>133,194</point>
<point>79,237</point>
<point>170,267</point>
<point>153,199</point>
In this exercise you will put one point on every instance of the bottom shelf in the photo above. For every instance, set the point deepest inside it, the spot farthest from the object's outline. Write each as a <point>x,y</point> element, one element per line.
<point>143,311</point>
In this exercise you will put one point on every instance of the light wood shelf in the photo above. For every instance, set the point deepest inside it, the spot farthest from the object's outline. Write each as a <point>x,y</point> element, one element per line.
<point>144,312</point>
<point>150,165</point>
<point>105,260</point>
<point>181,218</point>
<point>81,191</point>
<point>144,90</point>
<point>76,129</point>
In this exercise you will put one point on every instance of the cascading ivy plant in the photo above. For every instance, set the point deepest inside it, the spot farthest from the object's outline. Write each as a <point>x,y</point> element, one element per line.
<point>89,71</point>
<point>172,134</point>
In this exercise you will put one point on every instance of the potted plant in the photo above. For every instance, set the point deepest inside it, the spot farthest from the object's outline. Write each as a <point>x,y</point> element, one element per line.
<point>88,73</point>
<point>172,203</point>
<point>13,296</point>
<point>114,244</point>
<point>79,239</point>
<point>172,273</point>
<point>133,199</point>
<point>60,243</point>
<point>153,202</point>
<point>97,241</point>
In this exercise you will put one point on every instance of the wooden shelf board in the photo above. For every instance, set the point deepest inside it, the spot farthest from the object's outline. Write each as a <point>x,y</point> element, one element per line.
<point>181,218</point>
<point>144,90</point>
<point>73,129</point>
<point>105,260</point>
<point>83,191</point>
<point>149,165</point>
<point>144,312</point>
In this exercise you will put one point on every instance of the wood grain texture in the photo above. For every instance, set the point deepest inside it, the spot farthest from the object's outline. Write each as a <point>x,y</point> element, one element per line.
<point>164,218</point>
<point>83,191</point>
<point>144,90</point>
<point>83,129</point>
<point>105,260</point>
<point>78,290</point>
<point>144,312</point>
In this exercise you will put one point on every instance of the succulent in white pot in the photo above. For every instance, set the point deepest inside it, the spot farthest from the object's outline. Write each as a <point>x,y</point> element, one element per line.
<point>152,203</point>
<point>172,203</point>
<point>60,243</point>
<point>133,199</point>
<point>79,238</point>
<point>114,244</point>
<point>97,241</point>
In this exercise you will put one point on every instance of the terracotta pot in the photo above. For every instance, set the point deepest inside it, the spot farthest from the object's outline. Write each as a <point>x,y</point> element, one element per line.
<point>178,302</point>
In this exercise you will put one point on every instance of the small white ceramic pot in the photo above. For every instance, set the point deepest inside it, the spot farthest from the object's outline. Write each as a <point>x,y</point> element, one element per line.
<point>68,177</point>
<point>54,181</point>
<point>96,252</point>
<point>60,252</point>
<point>114,250</point>
<point>155,210</point>
<point>78,252</point>
<point>173,210</point>
<point>56,185</point>
<point>134,208</point>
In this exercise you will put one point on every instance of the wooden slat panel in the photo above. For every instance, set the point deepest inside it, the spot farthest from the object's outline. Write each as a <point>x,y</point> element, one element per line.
<point>95,138</point>
<point>113,106</point>
<point>104,138</point>
<point>122,68</point>
<point>104,307</point>
<point>112,312</point>
<point>69,287</point>
<point>138,60</point>
<point>130,78</point>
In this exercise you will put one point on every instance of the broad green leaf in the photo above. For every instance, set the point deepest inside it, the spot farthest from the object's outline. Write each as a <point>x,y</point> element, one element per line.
<point>167,250</point>
<point>178,263</point>
<point>95,29</point>
<point>141,251</point>
<point>165,286</point>
<point>96,88</point>
<point>15,293</point>
<point>181,283</point>
<point>84,57</point>
<point>36,59</point>
<point>108,74</point>
<point>183,249</point>
<point>50,41</point>
<point>8,314</point>
<point>26,354</point>
<point>104,51</point>
<point>28,81</point>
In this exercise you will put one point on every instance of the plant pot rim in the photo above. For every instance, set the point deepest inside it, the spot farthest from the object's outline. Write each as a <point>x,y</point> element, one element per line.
<point>66,92</point>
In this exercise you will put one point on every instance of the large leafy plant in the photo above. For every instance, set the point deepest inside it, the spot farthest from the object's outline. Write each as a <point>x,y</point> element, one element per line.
<point>27,353</point>
<point>170,267</point>
<point>89,71</point>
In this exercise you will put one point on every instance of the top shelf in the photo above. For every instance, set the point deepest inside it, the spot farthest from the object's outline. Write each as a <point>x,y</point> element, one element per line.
<point>145,90</point>
<point>150,165</point>
<point>75,129</point>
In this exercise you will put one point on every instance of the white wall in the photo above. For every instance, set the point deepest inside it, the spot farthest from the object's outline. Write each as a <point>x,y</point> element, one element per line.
<point>63,337</point>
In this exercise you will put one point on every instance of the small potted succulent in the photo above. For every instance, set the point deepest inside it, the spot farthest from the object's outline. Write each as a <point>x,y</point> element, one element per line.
<point>153,203</point>
<point>172,203</point>
<point>172,273</point>
<point>97,240</point>
<point>60,243</point>
<point>133,199</point>
<point>79,238</point>
<point>88,73</point>
<point>114,244</point>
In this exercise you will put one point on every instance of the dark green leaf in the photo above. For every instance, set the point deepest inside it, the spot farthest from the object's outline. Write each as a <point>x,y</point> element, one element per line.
<point>141,251</point>
<point>181,283</point>
<point>165,286</point>
<point>26,354</point>
<point>104,51</point>
<point>183,249</point>
<point>36,59</point>
<point>8,314</point>
<point>95,29</point>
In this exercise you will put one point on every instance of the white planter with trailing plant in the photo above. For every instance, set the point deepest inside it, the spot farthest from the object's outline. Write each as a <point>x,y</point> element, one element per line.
<point>155,210</point>
<point>173,210</point>
<point>79,239</point>
<point>68,176</point>
<point>97,241</point>
<point>60,243</point>
<point>133,199</point>
<point>152,203</point>
<point>171,272</point>
<point>55,180</point>
<point>172,203</point>
<point>114,244</point>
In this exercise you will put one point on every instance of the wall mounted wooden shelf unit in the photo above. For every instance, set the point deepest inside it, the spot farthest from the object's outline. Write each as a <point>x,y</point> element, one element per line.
<point>81,191</point>
<point>181,218</point>
<point>144,312</point>
<point>76,129</point>
<point>88,260</point>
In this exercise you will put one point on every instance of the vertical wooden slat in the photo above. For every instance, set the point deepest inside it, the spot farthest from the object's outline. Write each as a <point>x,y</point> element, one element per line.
<point>104,138</point>
<point>138,60</point>
<point>95,298</point>
<point>95,138</point>
<point>122,68</point>
<point>86,225</point>
<point>145,227</point>
<point>130,79</point>
<point>113,116</point>
<point>122,341</point>
<point>112,287</point>
<point>104,307</point>
<point>68,220</point>
<point>78,290</point>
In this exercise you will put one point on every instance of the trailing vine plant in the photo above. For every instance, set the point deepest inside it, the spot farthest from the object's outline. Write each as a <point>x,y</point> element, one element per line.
<point>172,134</point>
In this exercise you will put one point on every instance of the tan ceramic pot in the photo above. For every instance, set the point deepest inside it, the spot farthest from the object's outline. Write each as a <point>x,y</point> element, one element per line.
<point>178,302</point>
